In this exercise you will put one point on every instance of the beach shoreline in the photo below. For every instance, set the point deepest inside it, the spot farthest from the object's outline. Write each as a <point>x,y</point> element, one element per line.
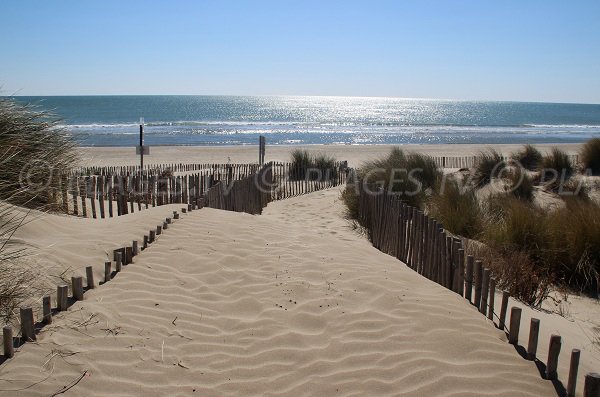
<point>354,154</point>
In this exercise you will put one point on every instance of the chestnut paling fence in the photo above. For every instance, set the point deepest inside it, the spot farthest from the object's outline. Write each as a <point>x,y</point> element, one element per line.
<point>422,243</point>
<point>115,191</point>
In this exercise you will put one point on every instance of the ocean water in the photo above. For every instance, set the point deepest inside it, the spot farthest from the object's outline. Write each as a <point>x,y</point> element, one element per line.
<point>239,120</point>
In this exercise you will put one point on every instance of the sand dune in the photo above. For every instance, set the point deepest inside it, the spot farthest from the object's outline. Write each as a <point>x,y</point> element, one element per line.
<point>292,302</point>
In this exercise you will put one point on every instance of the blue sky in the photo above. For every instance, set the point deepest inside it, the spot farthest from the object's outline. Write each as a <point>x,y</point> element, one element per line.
<point>500,50</point>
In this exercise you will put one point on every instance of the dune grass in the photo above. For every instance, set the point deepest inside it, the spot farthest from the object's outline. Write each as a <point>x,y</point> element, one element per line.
<point>313,167</point>
<point>556,168</point>
<point>489,166</point>
<point>529,249</point>
<point>457,207</point>
<point>590,156</point>
<point>528,157</point>
<point>520,184</point>
<point>412,176</point>
<point>34,153</point>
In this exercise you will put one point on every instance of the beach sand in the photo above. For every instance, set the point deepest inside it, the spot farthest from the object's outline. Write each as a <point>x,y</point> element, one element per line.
<point>291,302</point>
<point>354,154</point>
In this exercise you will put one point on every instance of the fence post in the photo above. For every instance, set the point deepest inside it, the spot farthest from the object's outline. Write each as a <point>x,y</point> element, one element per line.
<point>515,324</point>
<point>553,353</point>
<point>478,282</point>
<point>485,287</point>
<point>7,339</point>
<point>62,292</point>
<point>573,369</point>
<point>534,330</point>
<point>591,387</point>
<point>27,328</point>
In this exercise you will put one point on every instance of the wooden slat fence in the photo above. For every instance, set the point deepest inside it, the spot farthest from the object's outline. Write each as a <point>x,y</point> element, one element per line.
<point>426,247</point>
<point>107,195</point>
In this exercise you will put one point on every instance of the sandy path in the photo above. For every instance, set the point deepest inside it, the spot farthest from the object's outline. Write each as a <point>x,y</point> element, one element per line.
<point>292,302</point>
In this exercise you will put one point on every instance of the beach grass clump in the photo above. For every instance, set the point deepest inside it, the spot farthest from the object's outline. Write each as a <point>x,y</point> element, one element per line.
<point>349,197</point>
<point>575,244</point>
<point>520,184</point>
<point>457,208</point>
<point>590,156</point>
<point>489,165</point>
<point>556,168</point>
<point>528,157</point>
<point>15,280</point>
<point>412,176</point>
<point>317,167</point>
<point>35,154</point>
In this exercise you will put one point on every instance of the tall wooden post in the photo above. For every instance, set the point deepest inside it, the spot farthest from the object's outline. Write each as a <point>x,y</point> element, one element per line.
<point>141,143</point>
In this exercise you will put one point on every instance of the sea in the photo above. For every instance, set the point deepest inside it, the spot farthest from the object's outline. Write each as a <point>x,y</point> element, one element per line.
<point>306,120</point>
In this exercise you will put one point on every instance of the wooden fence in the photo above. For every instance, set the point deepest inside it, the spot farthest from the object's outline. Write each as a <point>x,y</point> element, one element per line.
<point>249,195</point>
<point>106,195</point>
<point>471,161</point>
<point>422,243</point>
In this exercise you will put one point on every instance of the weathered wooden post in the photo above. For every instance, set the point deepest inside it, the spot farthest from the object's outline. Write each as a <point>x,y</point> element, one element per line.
<point>89,275</point>
<point>503,309</point>
<point>485,289</point>
<point>145,244</point>
<point>62,292</point>
<point>46,310</point>
<point>573,369</point>
<point>469,283</point>
<point>77,286</point>
<point>591,387</point>
<point>119,261</point>
<point>492,300</point>
<point>478,282</point>
<point>7,341</point>
<point>134,248</point>
<point>128,256</point>
<point>515,324</point>
<point>165,225</point>
<point>534,330</point>
<point>27,328</point>
<point>158,230</point>
<point>152,236</point>
<point>107,271</point>
<point>553,353</point>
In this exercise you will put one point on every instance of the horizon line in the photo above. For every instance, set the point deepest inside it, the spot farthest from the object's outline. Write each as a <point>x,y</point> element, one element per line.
<point>309,96</point>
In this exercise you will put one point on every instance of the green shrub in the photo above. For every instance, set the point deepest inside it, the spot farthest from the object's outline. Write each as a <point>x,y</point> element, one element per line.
<point>35,153</point>
<point>489,165</point>
<point>457,208</point>
<point>590,156</point>
<point>529,157</point>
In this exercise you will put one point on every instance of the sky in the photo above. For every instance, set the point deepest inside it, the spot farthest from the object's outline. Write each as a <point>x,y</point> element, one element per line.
<point>521,50</point>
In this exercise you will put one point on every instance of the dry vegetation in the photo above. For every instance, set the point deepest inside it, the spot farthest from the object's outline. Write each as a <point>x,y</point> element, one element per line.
<point>529,246</point>
<point>34,153</point>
